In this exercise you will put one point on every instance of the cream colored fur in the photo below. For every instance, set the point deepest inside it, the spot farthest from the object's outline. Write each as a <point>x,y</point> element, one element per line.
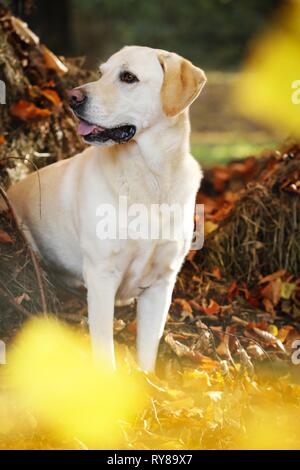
<point>155,167</point>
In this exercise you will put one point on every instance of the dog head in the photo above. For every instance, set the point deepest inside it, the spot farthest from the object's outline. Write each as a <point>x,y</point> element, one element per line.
<point>138,87</point>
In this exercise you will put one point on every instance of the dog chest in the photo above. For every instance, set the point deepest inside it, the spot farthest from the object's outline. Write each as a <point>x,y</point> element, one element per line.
<point>150,261</point>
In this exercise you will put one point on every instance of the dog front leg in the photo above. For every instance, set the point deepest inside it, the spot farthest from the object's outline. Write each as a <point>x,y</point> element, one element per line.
<point>152,310</point>
<point>101,290</point>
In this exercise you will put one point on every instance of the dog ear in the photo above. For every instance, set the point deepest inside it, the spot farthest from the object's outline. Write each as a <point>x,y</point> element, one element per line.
<point>182,83</point>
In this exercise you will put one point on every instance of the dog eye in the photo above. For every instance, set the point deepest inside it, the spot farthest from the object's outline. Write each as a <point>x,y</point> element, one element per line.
<point>128,77</point>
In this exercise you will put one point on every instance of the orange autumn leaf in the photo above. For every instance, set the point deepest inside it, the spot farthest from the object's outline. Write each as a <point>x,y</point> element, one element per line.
<point>5,237</point>
<point>209,227</point>
<point>212,309</point>
<point>195,305</point>
<point>273,276</point>
<point>272,291</point>
<point>216,272</point>
<point>269,307</point>
<point>221,176</point>
<point>284,332</point>
<point>251,299</point>
<point>221,213</point>
<point>233,290</point>
<point>34,91</point>
<point>52,96</point>
<point>50,84</point>
<point>184,305</point>
<point>131,327</point>
<point>191,255</point>
<point>2,139</point>
<point>27,111</point>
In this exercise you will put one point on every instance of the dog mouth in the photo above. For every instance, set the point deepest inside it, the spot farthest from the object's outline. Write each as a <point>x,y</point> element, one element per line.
<point>92,133</point>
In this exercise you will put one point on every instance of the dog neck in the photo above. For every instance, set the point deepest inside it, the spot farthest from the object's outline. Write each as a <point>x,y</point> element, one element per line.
<point>164,145</point>
<point>146,168</point>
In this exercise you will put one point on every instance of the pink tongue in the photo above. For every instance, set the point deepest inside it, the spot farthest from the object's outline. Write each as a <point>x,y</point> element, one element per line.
<point>85,128</point>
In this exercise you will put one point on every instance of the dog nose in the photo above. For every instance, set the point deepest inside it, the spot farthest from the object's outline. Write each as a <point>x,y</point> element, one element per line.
<point>76,97</point>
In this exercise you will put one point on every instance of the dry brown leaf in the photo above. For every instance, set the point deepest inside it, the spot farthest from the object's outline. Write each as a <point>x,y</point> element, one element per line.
<point>271,294</point>
<point>284,332</point>
<point>255,351</point>
<point>24,33</point>
<point>269,338</point>
<point>21,298</point>
<point>273,276</point>
<point>119,325</point>
<point>178,348</point>
<point>53,62</point>
<point>131,327</point>
<point>184,304</point>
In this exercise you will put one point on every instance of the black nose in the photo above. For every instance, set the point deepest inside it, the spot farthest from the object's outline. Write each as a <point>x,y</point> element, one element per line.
<point>76,97</point>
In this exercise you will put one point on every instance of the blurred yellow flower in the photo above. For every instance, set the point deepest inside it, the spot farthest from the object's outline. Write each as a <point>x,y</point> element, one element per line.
<point>53,373</point>
<point>268,89</point>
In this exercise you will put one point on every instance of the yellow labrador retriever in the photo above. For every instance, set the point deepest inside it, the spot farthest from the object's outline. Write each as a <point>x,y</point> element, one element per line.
<point>136,118</point>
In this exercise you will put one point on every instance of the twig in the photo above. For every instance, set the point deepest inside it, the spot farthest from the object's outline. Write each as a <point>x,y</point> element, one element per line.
<point>15,304</point>
<point>32,254</point>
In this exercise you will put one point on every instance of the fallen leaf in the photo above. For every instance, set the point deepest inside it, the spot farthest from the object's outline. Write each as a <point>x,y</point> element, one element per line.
<point>186,309</point>
<point>184,304</point>
<point>2,139</point>
<point>52,96</point>
<point>24,33</point>
<point>182,350</point>
<point>27,111</point>
<point>119,325</point>
<point>269,306</point>
<point>209,227</point>
<point>252,299</point>
<point>287,289</point>
<point>284,332</point>
<point>271,292</point>
<point>269,338</point>
<point>177,347</point>
<point>273,276</point>
<point>53,62</point>
<point>255,351</point>
<point>131,327</point>
<point>5,237</point>
<point>212,309</point>
<point>22,297</point>
<point>273,330</point>
<point>233,290</point>
<point>191,255</point>
<point>216,272</point>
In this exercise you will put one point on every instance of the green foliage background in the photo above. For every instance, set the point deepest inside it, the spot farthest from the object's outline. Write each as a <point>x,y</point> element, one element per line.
<point>215,33</point>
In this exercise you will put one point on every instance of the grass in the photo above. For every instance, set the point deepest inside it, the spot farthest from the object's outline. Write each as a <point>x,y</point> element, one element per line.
<point>222,151</point>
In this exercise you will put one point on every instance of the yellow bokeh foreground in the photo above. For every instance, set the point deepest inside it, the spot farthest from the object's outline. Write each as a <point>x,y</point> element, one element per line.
<point>53,375</point>
<point>52,396</point>
<point>268,89</point>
